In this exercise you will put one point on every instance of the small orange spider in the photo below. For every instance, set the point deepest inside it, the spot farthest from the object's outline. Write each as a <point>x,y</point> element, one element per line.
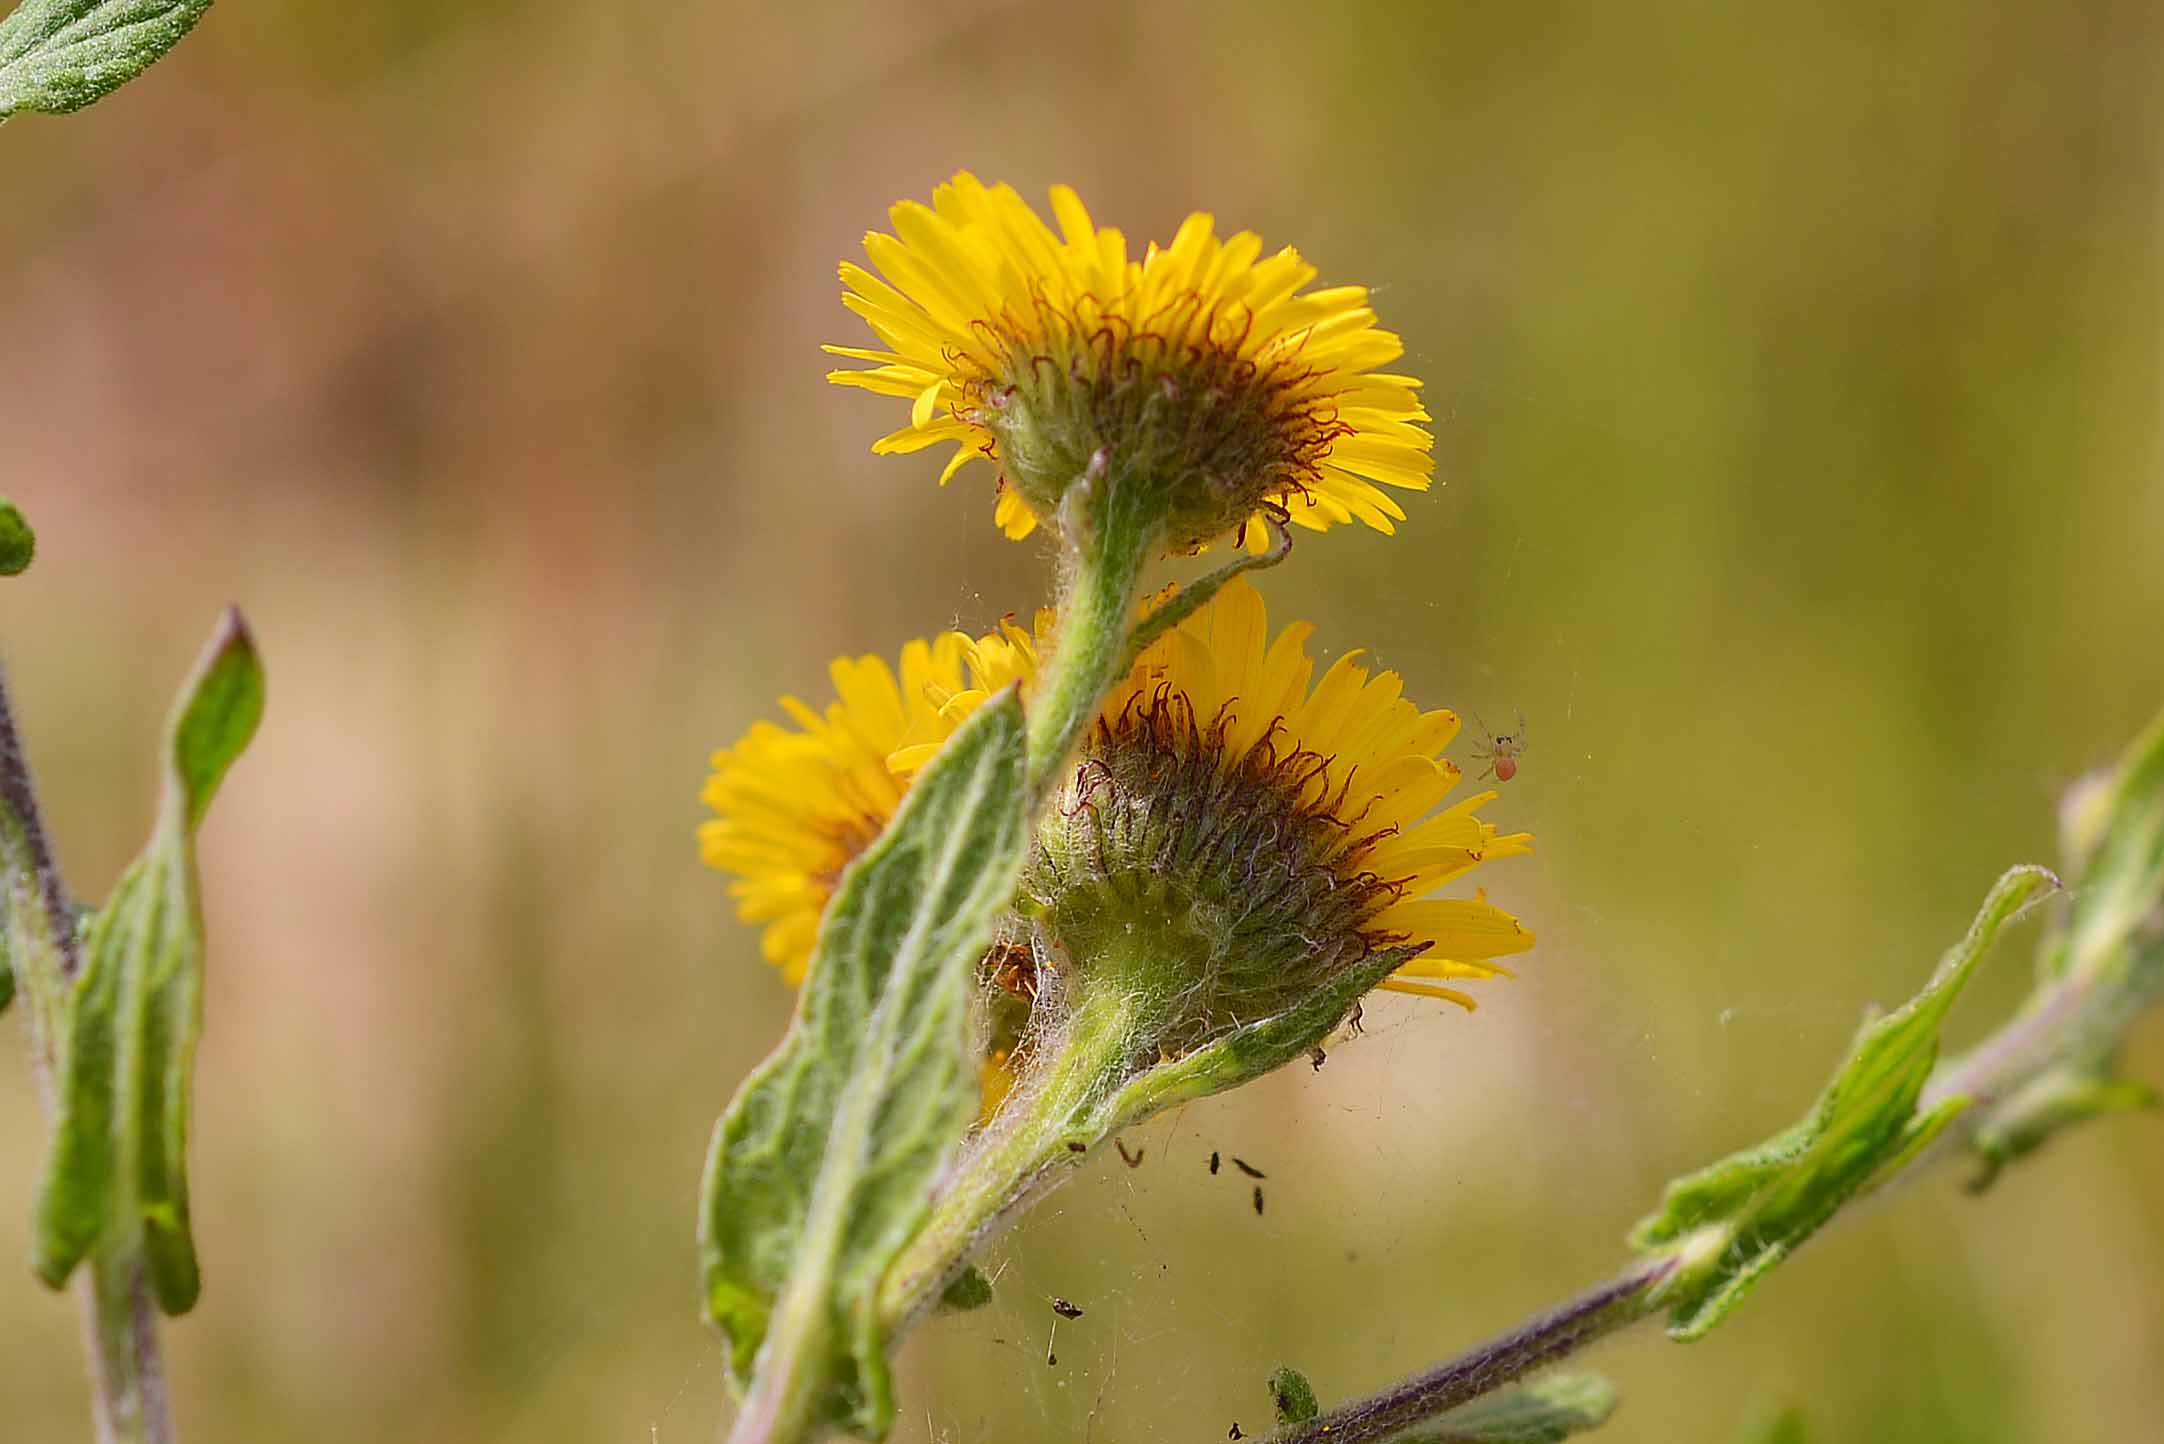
<point>1500,750</point>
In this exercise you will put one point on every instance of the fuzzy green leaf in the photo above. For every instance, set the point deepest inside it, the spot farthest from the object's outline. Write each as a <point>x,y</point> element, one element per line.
<point>1733,1222</point>
<point>18,543</point>
<point>1542,1412</point>
<point>117,1171</point>
<point>60,55</point>
<point>822,1168</point>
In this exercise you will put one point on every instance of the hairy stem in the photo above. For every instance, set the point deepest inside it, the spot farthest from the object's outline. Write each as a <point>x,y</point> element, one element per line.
<point>1111,538</point>
<point>1487,1367</point>
<point>1037,1141</point>
<point>120,1326</point>
<point>27,853</point>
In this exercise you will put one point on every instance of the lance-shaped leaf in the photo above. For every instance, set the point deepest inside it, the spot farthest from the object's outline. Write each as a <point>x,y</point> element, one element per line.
<point>60,55</point>
<point>1731,1223</point>
<point>117,1172</point>
<point>822,1168</point>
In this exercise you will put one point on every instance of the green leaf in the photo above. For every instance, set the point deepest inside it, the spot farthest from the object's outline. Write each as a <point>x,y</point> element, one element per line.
<point>822,1168</point>
<point>18,543</point>
<point>218,715</point>
<point>1733,1222</point>
<point>1293,1396</point>
<point>1542,1412</point>
<point>116,1175</point>
<point>60,55</point>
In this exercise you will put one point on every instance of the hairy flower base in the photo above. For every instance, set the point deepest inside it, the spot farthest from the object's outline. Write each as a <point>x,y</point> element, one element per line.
<point>1232,884</point>
<point>1214,433</point>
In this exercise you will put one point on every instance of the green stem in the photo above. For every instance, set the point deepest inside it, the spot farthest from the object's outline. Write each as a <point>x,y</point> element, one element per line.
<point>1036,1141</point>
<point>1111,539</point>
<point>1095,1071</point>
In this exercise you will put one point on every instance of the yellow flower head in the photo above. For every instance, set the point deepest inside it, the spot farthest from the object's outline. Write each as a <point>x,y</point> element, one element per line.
<point>1291,814</point>
<point>1203,369</point>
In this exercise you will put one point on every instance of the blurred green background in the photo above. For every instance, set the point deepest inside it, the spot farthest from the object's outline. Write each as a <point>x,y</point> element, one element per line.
<point>1797,380</point>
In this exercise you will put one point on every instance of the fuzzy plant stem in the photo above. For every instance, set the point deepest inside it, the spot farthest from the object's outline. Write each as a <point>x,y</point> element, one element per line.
<point>1037,1143</point>
<point>1112,534</point>
<point>1502,1360</point>
<point>120,1325</point>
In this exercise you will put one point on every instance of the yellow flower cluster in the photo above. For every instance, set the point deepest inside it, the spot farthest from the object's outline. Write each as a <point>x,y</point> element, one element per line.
<point>1214,388</point>
<point>795,805</point>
